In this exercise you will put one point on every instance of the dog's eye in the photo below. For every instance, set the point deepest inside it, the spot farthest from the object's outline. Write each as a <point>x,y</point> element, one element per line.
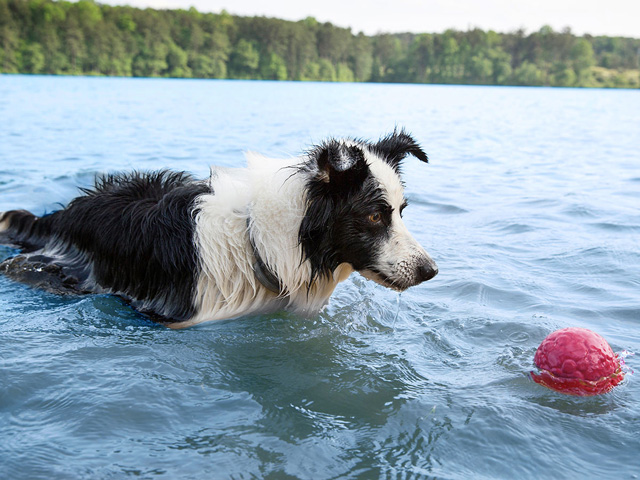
<point>375,217</point>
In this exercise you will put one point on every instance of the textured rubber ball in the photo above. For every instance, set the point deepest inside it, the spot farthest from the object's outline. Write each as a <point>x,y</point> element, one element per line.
<point>577,361</point>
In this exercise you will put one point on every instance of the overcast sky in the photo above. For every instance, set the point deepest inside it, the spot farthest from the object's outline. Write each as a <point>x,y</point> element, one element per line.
<point>598,17</point>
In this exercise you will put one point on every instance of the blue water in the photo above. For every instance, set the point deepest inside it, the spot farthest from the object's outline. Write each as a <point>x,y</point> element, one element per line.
<point>530,206</point>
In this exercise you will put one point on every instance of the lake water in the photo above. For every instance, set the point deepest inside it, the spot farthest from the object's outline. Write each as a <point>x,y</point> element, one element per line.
<point>530,206</point>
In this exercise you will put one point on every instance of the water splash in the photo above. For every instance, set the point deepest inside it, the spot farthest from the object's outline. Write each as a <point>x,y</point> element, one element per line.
<point>626,369</point>
<point>395,318</point>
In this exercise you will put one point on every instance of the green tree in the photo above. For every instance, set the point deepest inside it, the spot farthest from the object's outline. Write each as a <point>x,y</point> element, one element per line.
<point>333,43</point>
<point>501,66</point>
<point>53,12</point>
<point>204,66</point>
<point>120,61</point>
<point>33,60</point>
<point>421,58</point>
<point>74,45</point>
<point>272,67</point>
<point>9,41</point>
<point>481,70</point>
<point>582,58</point>
<point>301,50</point>
<point>125,22</point>
<point>51,46</point>
<point>326,71</point>
<point>89,13</point>
<point>217,48</point>
<point>311,72</point>
<point>386,53</point>
<point>449,67</point>
<point>528,74</point>
<point>151,61</point>
<point>244,59</point>
<point>562,75</point>
<point>344,73</point>
<point>361,58</point>
<point>177,62</point>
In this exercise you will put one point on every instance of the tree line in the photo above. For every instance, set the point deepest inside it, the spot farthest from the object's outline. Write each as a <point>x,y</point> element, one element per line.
<point>87,38</point>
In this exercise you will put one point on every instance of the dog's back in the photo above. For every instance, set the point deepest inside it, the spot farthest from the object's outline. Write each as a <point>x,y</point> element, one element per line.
<point>131,235</point>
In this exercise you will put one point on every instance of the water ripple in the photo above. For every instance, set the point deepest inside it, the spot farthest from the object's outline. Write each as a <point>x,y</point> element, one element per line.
<point>528,236</point>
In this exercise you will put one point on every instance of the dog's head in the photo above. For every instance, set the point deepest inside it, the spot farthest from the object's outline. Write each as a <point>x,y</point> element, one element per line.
<point>355,199</point>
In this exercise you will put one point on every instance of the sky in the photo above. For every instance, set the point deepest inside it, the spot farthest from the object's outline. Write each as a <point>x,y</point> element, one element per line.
<point>597,17</point>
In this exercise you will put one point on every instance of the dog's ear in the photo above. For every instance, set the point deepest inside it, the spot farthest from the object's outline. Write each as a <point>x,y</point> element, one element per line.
<point>395,147</point>
<point>341,166</point>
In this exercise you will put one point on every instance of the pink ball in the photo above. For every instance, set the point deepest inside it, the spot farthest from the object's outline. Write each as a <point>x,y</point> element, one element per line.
<point>577,361</point>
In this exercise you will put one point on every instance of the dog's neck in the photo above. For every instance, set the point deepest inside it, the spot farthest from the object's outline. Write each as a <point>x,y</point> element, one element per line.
<point>267,277</point>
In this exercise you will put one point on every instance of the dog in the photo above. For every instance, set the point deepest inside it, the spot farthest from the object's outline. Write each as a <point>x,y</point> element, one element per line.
<point>280,234</point>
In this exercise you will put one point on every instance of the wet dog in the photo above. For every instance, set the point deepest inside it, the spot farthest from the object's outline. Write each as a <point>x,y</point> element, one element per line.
<point>280,234</point>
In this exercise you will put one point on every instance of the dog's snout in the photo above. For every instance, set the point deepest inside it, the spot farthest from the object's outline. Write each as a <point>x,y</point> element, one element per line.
<point>426,271</point>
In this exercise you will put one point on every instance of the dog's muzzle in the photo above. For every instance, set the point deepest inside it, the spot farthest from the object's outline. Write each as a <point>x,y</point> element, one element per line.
<point>404,274</point>
<point>426,271</point>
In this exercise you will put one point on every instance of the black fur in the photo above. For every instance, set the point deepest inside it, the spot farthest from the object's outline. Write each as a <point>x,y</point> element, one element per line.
<point>341,196</point>
<point>396,146</point>
<point>333,220</point>
<point>26,232</point>
<point>133,233</point>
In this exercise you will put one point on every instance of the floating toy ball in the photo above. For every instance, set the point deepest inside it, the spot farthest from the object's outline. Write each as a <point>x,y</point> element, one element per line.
<point>577,361</point>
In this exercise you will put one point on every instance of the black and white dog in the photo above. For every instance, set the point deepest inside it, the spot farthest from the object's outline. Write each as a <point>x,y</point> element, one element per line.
<point>280,234</point>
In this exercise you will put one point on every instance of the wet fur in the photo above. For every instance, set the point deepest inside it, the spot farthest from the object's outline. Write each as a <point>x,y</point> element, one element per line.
<point>179,249</point>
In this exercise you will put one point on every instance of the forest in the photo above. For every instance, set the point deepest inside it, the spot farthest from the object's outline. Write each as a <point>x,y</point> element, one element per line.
<point>88,38</point>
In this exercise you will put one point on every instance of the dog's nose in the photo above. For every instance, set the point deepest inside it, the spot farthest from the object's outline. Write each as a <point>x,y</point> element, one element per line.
<point>426,271</point>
